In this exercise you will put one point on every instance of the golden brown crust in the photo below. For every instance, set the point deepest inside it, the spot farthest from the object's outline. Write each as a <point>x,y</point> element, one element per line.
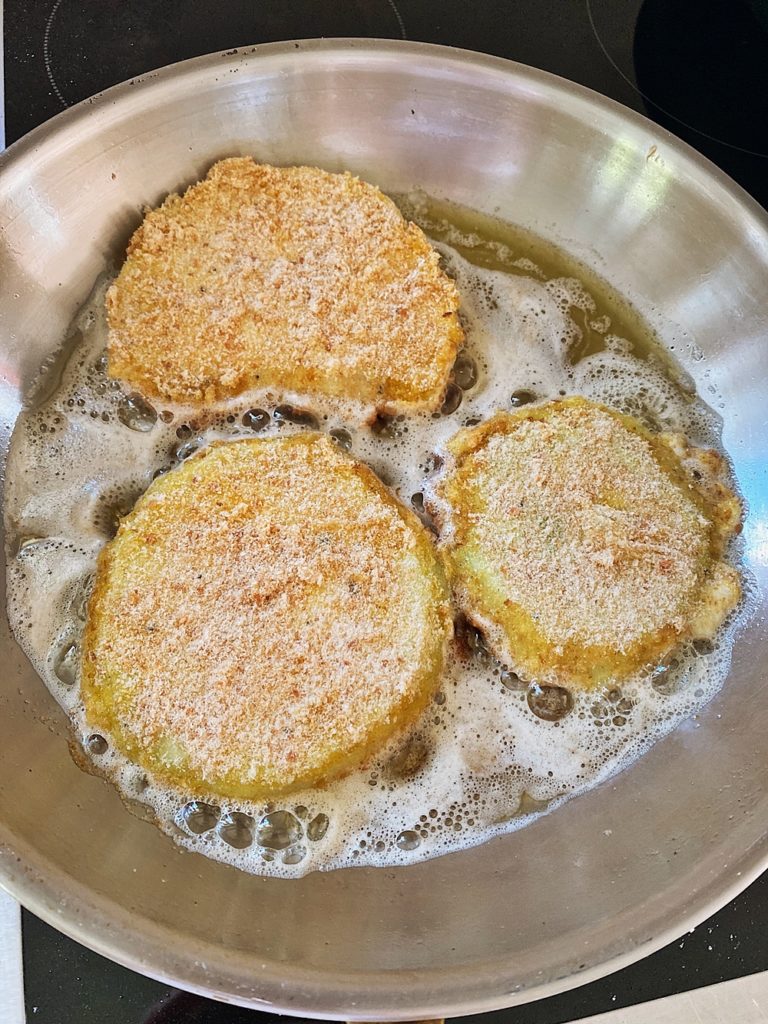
<point>292,279</point>
<point>266,617</point>
<point>585,546</point>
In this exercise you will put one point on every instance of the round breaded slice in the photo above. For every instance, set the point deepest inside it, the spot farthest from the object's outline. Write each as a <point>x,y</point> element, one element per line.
<point>266,617</point>
<point>585,547</point>
<point>285,278</point>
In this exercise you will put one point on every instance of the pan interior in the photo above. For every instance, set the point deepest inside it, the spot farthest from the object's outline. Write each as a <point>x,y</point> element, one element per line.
<point>608,876</point>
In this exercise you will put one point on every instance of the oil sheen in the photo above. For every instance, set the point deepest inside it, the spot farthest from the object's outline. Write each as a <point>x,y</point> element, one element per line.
<point>490,754</point>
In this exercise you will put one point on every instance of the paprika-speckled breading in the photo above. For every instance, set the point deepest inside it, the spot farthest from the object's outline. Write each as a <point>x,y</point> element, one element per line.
<point>586,547</point>
<point>267,616</point>
<point>289,279</point>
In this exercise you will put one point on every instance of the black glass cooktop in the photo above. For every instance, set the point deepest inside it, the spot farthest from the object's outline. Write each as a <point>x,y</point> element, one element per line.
<point>697,67</point>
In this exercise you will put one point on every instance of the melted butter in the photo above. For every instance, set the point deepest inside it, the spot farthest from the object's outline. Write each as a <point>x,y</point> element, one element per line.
<point>496,245</point>
<point>490,754</point>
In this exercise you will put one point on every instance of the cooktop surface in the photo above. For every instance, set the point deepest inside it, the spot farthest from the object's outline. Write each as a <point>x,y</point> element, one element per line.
<point>697,67</point>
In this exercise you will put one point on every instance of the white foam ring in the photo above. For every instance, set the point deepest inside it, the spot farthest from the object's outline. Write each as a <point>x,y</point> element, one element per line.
<point>480,762</point>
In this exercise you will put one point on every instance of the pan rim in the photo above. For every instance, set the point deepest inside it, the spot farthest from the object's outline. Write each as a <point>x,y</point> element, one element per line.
<point>287,988</point>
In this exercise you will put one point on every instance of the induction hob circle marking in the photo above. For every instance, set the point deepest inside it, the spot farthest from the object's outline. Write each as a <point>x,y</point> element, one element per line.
<point>399,17</point>
<point>139,38</point>
<point>47,54</point>
<point>655,103</point>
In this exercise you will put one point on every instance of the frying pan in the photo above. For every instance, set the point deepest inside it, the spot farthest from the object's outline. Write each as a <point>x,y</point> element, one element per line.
<point>615,873</point>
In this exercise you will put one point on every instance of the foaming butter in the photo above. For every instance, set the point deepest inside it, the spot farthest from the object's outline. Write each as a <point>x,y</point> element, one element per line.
<point>490,753</point>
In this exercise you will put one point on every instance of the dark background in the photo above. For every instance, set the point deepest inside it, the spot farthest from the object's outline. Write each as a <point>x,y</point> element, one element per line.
<point>697,67</point>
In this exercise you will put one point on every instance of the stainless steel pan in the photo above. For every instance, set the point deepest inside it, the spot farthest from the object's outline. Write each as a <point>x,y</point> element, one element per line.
<point>614,874</point>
